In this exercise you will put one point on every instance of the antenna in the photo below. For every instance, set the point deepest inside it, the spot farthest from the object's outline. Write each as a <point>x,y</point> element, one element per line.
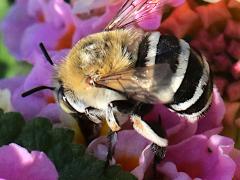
<point>45,53</point>
<point>39,88</point>
<point>36,89</point>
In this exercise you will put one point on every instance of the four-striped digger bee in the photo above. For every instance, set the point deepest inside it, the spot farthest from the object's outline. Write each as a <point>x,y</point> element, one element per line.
<point>122,71</point>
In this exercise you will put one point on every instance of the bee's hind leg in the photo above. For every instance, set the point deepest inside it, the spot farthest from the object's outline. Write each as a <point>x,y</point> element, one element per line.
<point>159,154</point>
<point>112,140</point>
<point>159,151</point>
<point>154,132</point>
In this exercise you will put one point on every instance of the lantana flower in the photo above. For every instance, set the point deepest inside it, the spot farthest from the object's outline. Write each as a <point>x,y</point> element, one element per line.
<point>17,163</point>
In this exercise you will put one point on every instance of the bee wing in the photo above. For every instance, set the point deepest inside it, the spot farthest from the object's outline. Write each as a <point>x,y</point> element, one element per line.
<point>150,84</point>
<point>136,11</point>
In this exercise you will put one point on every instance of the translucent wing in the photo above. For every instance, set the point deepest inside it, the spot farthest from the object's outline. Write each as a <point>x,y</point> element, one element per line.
<point>149,84</point>
<point>136,11</point>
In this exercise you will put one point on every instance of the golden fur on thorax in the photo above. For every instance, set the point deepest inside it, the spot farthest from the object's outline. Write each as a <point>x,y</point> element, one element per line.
<point>98,55</point>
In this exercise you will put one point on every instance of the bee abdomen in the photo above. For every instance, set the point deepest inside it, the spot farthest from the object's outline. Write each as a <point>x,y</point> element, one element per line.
<point>193,97</point>
<point>190,82</point>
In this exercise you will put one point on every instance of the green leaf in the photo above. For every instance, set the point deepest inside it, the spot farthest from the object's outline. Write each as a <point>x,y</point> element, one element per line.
<point>1,113</point>
<point>35,135</point>
<point>61,134</point>
<point>91,169</point>
<point>3,8</point>
<point>116,173</point>
<point>78,150</point>
<point>10,127</point>
<point>61,154</point>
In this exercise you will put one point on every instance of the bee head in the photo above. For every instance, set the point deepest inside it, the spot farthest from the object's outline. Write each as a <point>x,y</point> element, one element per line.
<point>58,88</point>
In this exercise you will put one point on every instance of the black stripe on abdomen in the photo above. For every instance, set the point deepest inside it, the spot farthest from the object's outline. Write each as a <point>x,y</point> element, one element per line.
<point>190,81</point>
<point>202,102</point>
<point>143,51</point>
<point>168,50</point>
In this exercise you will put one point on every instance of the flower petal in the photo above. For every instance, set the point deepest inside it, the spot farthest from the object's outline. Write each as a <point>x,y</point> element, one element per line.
<point>5,103</point>
<point>17,163</point>
<point>213,118</point>
<point>11,83</point>
<point>13,27</point>
<point>201,157</point>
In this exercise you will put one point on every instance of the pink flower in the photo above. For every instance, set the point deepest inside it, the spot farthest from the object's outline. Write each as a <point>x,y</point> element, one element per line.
<point>132,151</point>
<point>93,16</point>
<point>30,22</point>
<point>196,157</point>
<point>41,103</point>
<point>199,157</point>
<point>30,106</point>
<point>17,163</point>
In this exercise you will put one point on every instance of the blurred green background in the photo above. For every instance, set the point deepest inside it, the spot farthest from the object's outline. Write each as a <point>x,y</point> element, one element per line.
<point>9,67</point>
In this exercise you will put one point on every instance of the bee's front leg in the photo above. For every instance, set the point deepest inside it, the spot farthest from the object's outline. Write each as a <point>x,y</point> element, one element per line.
<point>95,115</point>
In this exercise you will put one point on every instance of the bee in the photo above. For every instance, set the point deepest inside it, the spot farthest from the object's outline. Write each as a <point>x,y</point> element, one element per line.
<point>120,73</point>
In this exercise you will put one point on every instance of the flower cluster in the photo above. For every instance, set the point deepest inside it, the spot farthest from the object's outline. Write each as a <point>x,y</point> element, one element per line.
<point>195,150</point>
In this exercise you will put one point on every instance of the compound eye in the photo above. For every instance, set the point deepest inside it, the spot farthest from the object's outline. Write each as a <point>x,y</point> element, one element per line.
<point>62,100</point>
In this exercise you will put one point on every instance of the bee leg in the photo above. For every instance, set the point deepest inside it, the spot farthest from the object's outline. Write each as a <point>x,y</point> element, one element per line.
<point>155,133</point>
<point>95,115</point>
<point>112,140</point>
<point>118,113</point>
<point>144,128</point>
<point>159,152</point>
